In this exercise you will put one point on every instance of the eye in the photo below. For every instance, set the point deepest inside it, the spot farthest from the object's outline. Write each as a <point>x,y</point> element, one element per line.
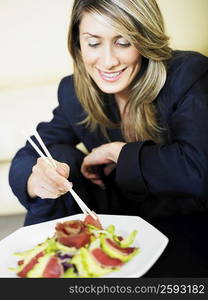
<point>123,43</point>
<point>93,45</point>
<point>92,42</point>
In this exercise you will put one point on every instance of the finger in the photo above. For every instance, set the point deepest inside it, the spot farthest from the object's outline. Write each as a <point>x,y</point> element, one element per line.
<point>85,171</point>
<point>64,186</point>
<point>45,194</point>
<point>109,168</point>
<point>89,170</point>
<point>40,184</point>
<point>52,189</point>
<point>55,192</point>
<point>45,181</point>
<point>40,176</point>
<point>56,179</point>
<point>100,183</point>
<point>97,181</point>
<point>63,169</point>
<point>58,182</point>
<point>42,167</point>
<point>43,163</point>
<point>51,176</point>
<point>92,176</point>
<point>59,189</point>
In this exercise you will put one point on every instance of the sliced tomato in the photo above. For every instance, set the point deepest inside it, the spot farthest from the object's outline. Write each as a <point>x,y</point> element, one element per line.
<point>53,269</point>
<point>77,241</point>
<point>91,221</point>
<point>30,265</point>
<point>126,251</point>
<point>104,259</point>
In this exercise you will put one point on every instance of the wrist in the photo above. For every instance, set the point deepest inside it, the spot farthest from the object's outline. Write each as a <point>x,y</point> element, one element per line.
<point>30,189</point>
<point>115,149</point>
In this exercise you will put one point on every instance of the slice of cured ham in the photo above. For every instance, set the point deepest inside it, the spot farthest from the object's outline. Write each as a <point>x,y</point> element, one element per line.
<point>72,233</point>
<point>70,227</point>
<point>91,221</point>
<point>30,265</point>
<point>104,259</point>
<point>53,269</point>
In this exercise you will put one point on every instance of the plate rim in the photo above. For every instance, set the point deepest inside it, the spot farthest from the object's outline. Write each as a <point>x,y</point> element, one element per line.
<point>164,240</point>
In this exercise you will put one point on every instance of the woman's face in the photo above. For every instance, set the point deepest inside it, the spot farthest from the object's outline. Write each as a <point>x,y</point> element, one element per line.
<point>109,58</point>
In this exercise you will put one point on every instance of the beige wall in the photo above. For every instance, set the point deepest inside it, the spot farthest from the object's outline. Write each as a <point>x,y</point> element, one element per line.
<point>34,57</point>
<point>186,23</point>
<point>33,37</point>
<point>33,42</point>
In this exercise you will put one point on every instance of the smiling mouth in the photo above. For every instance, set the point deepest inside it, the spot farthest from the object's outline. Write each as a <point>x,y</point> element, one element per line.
<point>111,76</point>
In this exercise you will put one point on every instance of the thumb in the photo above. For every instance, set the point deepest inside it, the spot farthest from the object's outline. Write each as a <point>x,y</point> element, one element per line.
<point>63,169</point>
<point>109,168</point>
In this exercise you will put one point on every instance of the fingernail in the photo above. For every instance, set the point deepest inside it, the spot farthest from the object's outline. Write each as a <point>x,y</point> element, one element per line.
<point>68,185</point>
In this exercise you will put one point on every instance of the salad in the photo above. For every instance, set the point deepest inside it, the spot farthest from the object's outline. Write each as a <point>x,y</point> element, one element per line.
<point>77,249</point>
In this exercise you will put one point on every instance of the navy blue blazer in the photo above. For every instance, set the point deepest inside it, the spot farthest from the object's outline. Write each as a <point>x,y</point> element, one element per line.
<point>158,179</point>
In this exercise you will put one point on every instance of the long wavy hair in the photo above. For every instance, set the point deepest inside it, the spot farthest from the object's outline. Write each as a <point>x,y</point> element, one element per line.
<point>141,23</point>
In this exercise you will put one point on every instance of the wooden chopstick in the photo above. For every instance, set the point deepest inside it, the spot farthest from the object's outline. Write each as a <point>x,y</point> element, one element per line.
<point>85,209</point>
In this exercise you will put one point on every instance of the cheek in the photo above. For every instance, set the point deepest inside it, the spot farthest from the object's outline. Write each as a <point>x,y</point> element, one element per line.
<point>131,57</point>
<point>89,57</point>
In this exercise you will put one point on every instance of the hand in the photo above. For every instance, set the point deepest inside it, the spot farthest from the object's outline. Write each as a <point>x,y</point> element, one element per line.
<point>47,182</point>
<point>106,154</point>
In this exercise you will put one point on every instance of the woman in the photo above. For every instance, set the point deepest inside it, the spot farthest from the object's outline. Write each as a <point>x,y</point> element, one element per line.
<point>141,111</point>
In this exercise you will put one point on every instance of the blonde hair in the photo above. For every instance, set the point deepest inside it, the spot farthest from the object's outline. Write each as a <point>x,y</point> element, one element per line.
<point>141,22</point>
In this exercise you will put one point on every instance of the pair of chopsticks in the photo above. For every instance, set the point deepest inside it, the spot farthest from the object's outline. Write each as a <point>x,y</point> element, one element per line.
<point>49,159</point>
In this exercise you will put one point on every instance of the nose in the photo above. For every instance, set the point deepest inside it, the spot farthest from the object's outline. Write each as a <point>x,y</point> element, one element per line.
<point>109,58</point>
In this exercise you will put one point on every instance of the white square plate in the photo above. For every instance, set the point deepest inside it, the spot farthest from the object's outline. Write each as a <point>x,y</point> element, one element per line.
<point>150,241</point>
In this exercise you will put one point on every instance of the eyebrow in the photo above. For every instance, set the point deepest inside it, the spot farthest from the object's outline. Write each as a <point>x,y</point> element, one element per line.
<point>97,36</point>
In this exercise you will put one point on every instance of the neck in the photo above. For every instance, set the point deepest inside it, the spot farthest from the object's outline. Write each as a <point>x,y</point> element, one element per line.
<point>121,97</point>
<point>121,100</point>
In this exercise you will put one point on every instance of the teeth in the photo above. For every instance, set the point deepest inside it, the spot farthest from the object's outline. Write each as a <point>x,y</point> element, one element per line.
<point>111,75</point>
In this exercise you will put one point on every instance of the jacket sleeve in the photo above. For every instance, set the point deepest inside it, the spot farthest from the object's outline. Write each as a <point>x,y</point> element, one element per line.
<point>180,166</point>
<point>57,131</point>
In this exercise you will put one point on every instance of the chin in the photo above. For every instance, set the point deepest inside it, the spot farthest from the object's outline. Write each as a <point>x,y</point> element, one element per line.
<point>109,88</point>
